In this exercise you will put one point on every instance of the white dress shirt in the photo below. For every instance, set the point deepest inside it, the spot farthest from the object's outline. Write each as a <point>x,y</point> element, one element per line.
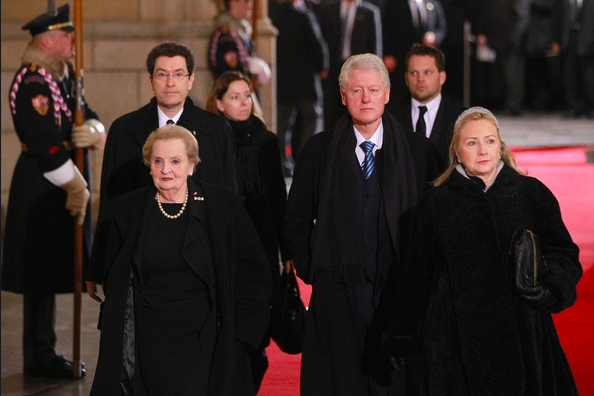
<point>163,118</point>
<point>430,114</point>
<point>377,139</point>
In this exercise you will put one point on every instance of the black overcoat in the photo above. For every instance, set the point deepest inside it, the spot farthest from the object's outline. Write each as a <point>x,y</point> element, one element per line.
<point>124,171</point>
<point>258,162</point>
<point>477,336</point>
<point>241,289</point>
<point>334,342</point>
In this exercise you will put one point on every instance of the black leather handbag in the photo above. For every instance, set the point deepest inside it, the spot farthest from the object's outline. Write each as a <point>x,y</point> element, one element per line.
<point>288,316</point>
<point>529,262</point>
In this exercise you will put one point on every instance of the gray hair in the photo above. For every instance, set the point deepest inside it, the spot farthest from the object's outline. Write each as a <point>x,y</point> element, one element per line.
<point>362,62</point>
<point>171,132</point>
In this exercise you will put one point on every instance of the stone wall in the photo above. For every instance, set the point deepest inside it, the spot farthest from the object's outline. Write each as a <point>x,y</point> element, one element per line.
<point>118,34</point>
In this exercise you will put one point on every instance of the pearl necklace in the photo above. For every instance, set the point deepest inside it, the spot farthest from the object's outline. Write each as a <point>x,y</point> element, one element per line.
<point>175,216</point>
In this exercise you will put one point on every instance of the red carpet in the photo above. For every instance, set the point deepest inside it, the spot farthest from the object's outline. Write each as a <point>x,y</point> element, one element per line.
<point>565,172</point>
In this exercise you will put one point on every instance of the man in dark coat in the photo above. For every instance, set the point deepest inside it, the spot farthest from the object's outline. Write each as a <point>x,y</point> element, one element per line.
<point>424,76</point>
<point>349,27</point>
<point>577,42</point>
<point>302,61</point>
<point>406,22</point>
<point>350,188</point>
<point>170,67</point>
<point>48,193</point>
<point>503,25</point>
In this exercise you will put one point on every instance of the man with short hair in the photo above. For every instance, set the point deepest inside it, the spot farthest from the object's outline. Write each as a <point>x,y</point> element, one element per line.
<point>170,69</point>
<point>351,187</point>
<point>48,193</point>
<point>427,111</point>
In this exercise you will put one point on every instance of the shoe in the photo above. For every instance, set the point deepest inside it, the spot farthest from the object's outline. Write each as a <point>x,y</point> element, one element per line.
<point>56,367</point>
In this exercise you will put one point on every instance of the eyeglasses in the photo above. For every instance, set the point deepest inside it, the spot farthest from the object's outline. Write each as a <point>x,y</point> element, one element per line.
<point>161,76</point>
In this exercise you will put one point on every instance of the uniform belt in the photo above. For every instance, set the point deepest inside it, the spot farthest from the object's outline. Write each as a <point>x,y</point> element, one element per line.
<point>68,145</point>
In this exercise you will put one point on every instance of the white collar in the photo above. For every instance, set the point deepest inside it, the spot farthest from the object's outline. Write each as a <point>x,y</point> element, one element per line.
<point>432,105</point>
<point>163,118</point>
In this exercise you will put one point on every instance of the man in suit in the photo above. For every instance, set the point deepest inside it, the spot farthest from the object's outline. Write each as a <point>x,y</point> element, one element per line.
<point>577,43</point>
<point>170,69</point>
<point>350,189</point>
<point>349,27</point>
<point>428,112</point>
<point>302,62</point>
<point>406,22</point>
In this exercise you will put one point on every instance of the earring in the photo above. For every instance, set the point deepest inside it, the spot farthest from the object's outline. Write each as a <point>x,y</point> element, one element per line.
<point>458,159</point>
<point>150,173</point>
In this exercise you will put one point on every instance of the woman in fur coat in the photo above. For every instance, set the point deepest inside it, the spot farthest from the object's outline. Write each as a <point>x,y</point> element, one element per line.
<point>459,313</point>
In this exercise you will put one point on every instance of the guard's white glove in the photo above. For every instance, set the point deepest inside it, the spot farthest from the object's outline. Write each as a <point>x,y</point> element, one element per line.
<point>68,178</point>
<point>259,68</point>
<point>90,134</point>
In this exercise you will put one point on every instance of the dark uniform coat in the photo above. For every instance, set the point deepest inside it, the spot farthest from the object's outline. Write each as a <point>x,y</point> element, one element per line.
<point>324,232</point>
<point>241,288</point>
<point>478,337</point>
<point>38,246</point>
<point>230,45</point>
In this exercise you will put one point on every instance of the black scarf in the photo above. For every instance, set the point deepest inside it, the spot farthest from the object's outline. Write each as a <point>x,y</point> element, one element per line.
<point>247,140</point>
<point>337,252</point>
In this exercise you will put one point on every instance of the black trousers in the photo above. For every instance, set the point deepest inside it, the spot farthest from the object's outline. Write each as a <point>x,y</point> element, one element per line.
<point>39,336</point>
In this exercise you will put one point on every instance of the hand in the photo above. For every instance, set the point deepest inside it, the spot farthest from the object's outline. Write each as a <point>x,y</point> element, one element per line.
<point>90,134</point>
<point>288,266</point>
<point>92,290</point>
<point>481,39</point>
<point>429,39</point>
<point>390,62</point>
<point>76,203</point>
<point>260,69</point>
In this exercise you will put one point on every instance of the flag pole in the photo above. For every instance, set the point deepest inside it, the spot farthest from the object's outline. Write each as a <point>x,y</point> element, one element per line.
<point>78,229</point>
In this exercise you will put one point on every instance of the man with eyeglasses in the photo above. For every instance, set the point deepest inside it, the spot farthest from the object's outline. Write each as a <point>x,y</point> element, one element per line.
<point>427,111</point>
<point>170,69</point>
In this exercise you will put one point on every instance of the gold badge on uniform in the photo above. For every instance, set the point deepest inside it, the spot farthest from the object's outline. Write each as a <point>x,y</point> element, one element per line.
<point>231,59</point>
<point>40,104</point>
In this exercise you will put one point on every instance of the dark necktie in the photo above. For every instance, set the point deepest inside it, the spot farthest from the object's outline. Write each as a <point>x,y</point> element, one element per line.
<point>170,122</point>
<point>421,126</point>
<point>369,161</point>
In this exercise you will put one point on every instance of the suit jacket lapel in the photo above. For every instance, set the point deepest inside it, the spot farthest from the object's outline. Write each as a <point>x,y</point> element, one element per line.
<point>435,135</point>
<point>137,229</point>
<point>151,122</point>
<point>195,249</point>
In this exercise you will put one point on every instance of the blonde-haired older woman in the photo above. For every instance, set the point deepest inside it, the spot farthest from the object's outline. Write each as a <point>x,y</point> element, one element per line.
<point>479,334</point>
<point>186,282</point>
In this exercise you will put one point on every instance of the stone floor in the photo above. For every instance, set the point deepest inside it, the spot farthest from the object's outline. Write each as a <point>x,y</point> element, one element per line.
<point>530,130</point>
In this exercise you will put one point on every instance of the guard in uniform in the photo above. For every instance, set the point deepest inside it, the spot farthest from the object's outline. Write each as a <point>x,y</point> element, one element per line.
<point>231,43</point>
<point>48,193</point>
